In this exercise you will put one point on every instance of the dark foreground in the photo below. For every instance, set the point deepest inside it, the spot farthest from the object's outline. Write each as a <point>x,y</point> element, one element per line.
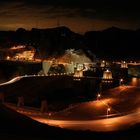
<point>16,126</point>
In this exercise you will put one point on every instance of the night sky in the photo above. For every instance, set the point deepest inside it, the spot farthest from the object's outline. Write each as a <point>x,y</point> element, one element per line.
<point>79,15</point>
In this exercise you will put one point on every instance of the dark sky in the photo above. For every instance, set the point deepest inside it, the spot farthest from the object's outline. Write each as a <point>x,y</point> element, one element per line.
<point>79,15</point>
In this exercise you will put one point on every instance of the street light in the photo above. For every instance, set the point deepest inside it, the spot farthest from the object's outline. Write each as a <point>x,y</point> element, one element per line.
<point>108,110</point>
<point>98,96</point>
<point>121,81</point>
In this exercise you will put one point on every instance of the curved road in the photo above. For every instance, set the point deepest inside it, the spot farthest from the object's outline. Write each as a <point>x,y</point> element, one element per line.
<point>123,101</point>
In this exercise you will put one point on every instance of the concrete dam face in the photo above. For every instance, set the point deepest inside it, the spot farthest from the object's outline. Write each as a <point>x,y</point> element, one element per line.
<point>134,71</point>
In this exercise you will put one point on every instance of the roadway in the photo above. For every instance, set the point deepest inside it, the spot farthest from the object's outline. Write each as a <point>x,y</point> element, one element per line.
<point>124,102</point>
<point>129,63</point>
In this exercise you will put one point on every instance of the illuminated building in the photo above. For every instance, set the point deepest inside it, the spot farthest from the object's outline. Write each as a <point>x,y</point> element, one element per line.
<point>107,75</point>
<point>49,67</point>
<point>69,68</point>
<point>123,71</point>
<point>74,62</point>
<point>78,73</point>
<point>103,64</point>
<point>80,67</point>
<point>25,55</point>
<point>46,66</point>
<point>124,64</point>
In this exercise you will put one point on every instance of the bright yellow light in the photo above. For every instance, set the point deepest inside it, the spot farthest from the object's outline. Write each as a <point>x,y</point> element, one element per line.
<point>8,57</point>
<point>99,95</point>
<point>107,70</point>
<point>109,109</point>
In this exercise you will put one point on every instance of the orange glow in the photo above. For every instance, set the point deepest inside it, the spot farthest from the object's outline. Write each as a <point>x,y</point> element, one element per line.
<point>108,109</point>
<point>98,96</point>
<point>78,74</point>
<point>102,102</point>
<point>134,81</point>
<point>8,58</point>
<point>26,55</point>
<point>17,47</point>
<point>108,101</point>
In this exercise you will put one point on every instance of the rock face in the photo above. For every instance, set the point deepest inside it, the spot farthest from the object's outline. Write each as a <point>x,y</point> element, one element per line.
<point>111,43</point>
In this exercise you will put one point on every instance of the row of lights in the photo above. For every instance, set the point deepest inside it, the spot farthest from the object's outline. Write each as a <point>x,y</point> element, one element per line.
<point>57,74</point>
<point>108,109</point>
<point>60,74</point>
<point>99,96</point>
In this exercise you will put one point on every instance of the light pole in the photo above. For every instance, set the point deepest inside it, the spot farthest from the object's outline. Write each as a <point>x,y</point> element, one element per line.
<point>98,96</point>
<point>108,110</point>
<point>121,81</point>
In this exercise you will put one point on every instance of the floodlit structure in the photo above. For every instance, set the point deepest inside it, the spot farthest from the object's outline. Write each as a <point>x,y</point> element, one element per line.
<point>124,64</point>
<point>49,67</point>
<point>21,53</point>
<point>78,73</point>
<point>124,70</point>
<point>46,66</point>
<point>107,78</point>
<point>80,67</point>
<point>69,68</point>
<point>103,64</point>
<point>71,63</point>
<point>107,75</point>
<point>26,55</point>
<point>76,57</point>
